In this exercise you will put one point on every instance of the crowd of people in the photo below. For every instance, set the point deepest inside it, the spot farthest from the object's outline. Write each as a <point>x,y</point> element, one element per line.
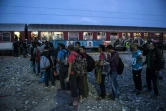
<point>72,65</point>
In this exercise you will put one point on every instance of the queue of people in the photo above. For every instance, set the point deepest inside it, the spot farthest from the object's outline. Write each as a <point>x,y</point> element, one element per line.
<point>73,63</point>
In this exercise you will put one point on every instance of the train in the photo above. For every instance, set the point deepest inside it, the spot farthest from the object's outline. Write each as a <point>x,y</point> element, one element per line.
<point>90,36</point>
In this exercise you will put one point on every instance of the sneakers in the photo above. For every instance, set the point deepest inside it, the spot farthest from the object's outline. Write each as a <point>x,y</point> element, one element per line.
<point>52,86</point>
<point>100,98</point>
<point>138,92</point>
<point>148,90</point>
<point>46,87</point>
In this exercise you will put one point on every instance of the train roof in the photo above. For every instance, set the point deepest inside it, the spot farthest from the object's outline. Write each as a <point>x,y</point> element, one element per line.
<point>12,27</point>
<point>58,27</point>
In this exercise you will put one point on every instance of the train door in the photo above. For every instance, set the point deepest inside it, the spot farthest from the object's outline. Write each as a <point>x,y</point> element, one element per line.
<point>17,36</point>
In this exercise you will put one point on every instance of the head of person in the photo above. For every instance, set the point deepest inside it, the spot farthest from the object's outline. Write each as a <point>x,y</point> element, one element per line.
<point>46,42</point>
<point>46,48</point>
<point>71,48</point>
<point>110,48</point>
<point>62,46</point>
<point>101,48</point>
<point>59,45</point>
<point>151,45</point>
<point>82,49</point>
<point>134,47</point>
<point>77,45</point>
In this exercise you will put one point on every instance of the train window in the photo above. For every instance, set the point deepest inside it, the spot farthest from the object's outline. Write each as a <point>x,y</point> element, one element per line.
<point>125,35</point>
<point>57,36</point>
<point>137,34</point>
<point>6,36</point>
<point>101,36</point>
<point>88,36</point>
<point>44,36</point>
<point>146,34</point>
<point>114,36</point>
<point>34,35</point>
<point>73,36</point>
<point>157,34</point>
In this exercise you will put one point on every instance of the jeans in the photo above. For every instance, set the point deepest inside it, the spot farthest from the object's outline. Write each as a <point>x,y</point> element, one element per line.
<point>57,68</point>
<point>42,78</point>
<point>37,68</point>
<point>49,76</point>
<point>114,85</point>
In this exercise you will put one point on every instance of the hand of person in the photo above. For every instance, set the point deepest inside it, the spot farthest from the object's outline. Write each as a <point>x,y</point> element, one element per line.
<point>67,79</point>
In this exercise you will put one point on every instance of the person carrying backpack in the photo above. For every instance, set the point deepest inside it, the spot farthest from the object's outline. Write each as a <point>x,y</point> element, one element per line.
<point>100,76</point>
<point>90,67</point>
<point>62,54</point>
<point>47,67</point>
<point>114,60</point>
<point>37,52</point>
<point>76,70</point>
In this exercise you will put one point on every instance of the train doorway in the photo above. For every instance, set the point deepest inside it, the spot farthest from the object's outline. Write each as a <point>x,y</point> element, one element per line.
<point>17,36</point>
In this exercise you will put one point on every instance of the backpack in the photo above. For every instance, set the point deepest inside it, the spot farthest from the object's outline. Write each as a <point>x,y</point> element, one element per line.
<point>44,63</point>
<point>79,66</point>
<point>90,63</point>
<point>105,67</point>
<point>37,58</point>
<point>66,54</point>
<point>120,66</point>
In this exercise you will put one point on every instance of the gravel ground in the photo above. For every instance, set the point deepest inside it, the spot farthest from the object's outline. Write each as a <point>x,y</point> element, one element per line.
<point>20,91</point>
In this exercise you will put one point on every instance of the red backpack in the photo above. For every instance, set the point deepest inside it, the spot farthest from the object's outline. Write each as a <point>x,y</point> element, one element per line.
<point>37,58</point>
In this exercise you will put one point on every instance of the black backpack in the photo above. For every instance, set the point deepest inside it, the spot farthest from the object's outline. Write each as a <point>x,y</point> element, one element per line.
<point>120,66</point>
<point>90,63</point>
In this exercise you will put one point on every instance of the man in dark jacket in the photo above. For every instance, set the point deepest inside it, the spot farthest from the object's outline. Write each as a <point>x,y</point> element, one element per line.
<point>113,59</point>
<point>153,59</point>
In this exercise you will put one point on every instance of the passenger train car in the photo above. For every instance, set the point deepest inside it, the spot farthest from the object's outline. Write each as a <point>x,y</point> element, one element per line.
<point>90,36</point>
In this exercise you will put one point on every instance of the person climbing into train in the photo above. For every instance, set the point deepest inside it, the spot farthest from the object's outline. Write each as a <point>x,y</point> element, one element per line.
<point>15,46</point>
<point>137,68</point>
